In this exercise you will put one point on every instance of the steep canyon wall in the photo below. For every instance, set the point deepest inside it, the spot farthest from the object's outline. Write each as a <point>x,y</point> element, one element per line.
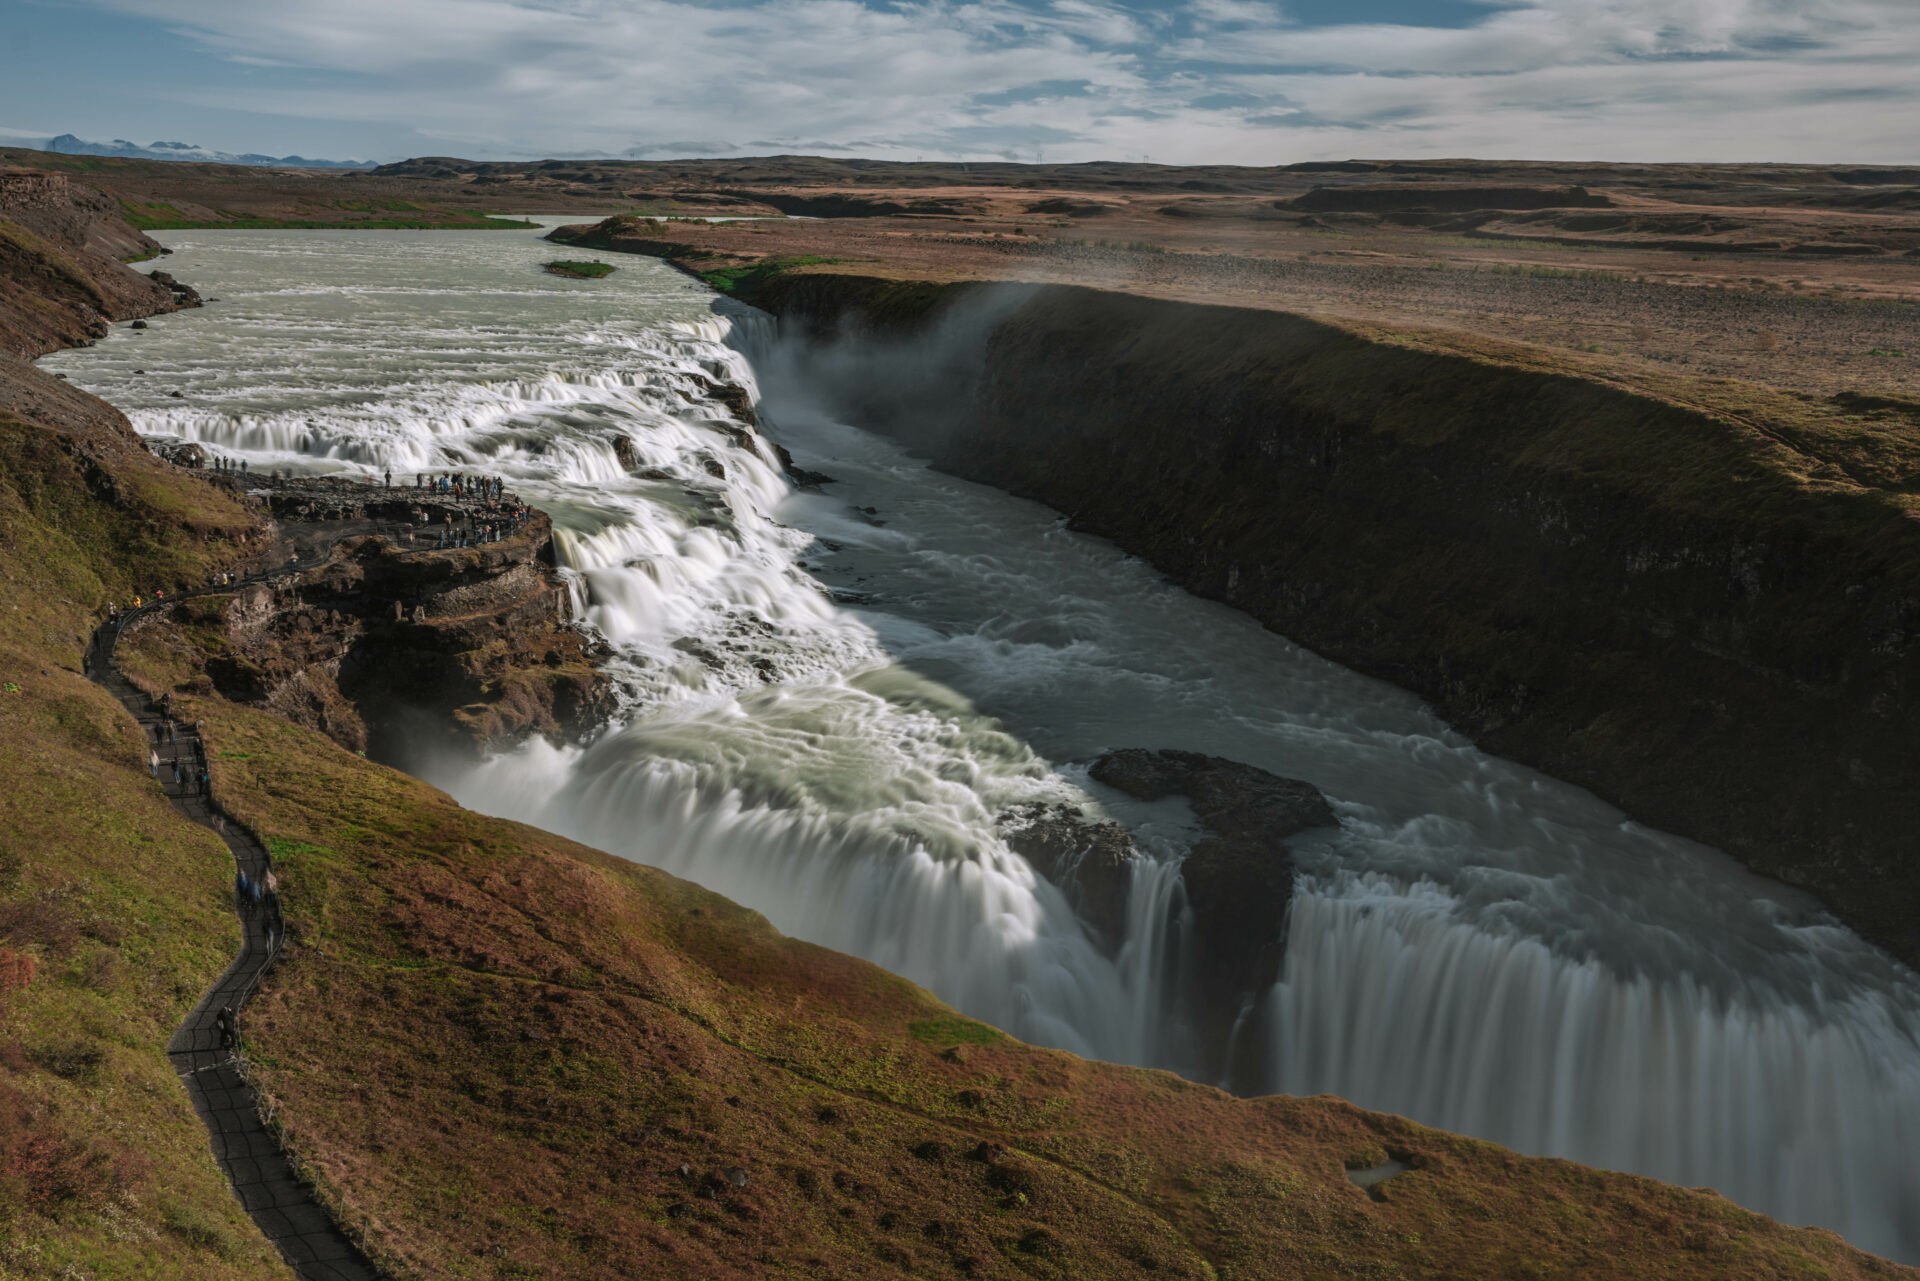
<point>1701,601</point>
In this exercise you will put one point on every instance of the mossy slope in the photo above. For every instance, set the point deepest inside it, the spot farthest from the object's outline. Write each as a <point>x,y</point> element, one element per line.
<point>113,914</point>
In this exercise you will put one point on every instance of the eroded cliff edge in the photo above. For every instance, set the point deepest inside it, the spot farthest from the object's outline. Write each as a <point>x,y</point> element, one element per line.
<point>1699,599</point>
<point>395,638</point>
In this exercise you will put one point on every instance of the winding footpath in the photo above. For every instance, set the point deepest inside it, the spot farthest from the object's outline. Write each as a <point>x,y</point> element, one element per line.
<point>263,1178</point>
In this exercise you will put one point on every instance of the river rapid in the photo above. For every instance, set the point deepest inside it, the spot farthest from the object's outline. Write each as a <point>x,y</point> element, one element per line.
<point>828,699</point>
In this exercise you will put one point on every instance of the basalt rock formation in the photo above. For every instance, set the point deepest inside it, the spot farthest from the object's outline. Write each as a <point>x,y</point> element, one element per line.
<point>1238,879</point>
<point>391,643</point>
<point>1092,860</point>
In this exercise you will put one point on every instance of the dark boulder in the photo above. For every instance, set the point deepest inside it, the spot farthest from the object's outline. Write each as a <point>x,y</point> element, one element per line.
<point>184,454</point>
<point>1229,797</point>
<point>1239,880</point>
<point>733,396</point>
<point>1091,860</point>
<point>802,478</point>
<point>183,295</point>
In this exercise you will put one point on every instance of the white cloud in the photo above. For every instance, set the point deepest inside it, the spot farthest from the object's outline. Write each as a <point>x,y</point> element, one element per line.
<point>1219,80</point>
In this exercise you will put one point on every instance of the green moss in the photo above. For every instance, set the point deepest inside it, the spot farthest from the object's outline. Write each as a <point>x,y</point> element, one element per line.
<point>954,1031</point>
<point>747,279</point>
<point>580,270</point>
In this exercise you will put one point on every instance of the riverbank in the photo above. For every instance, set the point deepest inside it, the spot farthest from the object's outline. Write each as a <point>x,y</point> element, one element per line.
<point>1694,598</point>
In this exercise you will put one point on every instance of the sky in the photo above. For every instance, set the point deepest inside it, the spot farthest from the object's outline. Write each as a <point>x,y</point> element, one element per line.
<point>1255,82</point>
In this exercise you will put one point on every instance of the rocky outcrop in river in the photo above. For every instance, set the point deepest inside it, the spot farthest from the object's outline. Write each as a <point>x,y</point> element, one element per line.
<point>1238,879</point>
<point>392,644</point>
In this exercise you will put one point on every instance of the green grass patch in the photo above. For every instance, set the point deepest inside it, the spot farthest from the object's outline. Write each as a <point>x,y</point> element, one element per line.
<point>954,1031</point>
<point>580,270</point>
<point>748,278</point>
<point>113,914</point>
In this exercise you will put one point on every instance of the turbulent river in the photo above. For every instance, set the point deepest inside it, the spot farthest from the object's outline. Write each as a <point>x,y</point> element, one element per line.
<point>826,707</point>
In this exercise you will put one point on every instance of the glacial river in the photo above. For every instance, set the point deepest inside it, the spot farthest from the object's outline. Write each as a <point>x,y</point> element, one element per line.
<point>826,707</point>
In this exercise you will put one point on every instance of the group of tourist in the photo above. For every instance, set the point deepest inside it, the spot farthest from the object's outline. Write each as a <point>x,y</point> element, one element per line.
<point>252,895</point>
<point>185,772</point>
<point>490,488</point>
<point>225,578</point>
<point>139,602</point>
<point>467,533</point>
<point>233,466</point>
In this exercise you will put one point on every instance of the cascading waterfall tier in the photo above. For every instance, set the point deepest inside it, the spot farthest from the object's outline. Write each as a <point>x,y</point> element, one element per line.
<point>830,699</point>
<point>1396,999</point>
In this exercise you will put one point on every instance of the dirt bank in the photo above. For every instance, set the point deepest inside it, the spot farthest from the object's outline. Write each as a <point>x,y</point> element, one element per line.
<point>63,273</point>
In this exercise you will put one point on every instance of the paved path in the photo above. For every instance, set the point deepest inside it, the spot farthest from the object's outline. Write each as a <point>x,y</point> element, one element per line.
<point>284,1207</point>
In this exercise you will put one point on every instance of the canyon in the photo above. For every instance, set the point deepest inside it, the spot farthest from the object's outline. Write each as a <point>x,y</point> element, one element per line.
<point>923,722</point>
<point>1350,490</point>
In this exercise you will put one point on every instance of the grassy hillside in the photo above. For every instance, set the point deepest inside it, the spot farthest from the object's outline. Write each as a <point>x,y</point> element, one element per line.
<point>505,1055</point>
<point>113,913</point>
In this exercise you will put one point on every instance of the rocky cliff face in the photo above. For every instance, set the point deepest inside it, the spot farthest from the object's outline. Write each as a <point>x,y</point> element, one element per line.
<point>63,277</point>
<point>393,645</point>
<point>1703,603</point>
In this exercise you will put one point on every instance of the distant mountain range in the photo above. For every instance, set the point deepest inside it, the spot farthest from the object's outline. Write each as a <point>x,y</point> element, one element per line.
<point>68,145</point>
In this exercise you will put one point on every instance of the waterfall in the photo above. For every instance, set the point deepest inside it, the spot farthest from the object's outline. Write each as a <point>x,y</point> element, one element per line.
<point>826,701</point>
<point>1806,1109</point>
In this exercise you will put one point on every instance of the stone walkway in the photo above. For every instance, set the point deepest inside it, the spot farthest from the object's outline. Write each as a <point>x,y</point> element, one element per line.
<point>284,1207</point>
